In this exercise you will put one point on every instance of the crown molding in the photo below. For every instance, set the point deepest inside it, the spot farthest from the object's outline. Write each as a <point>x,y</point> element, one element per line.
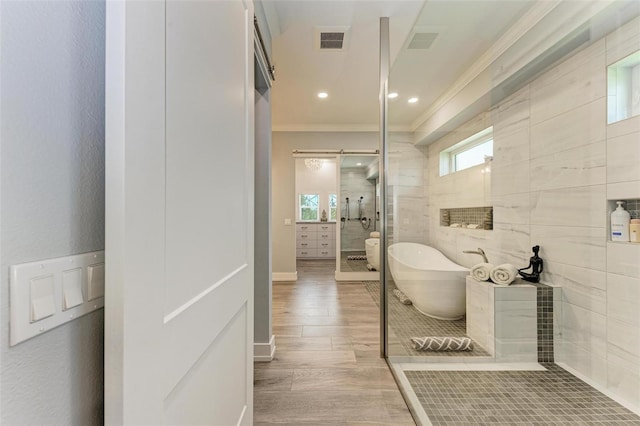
<point>326,127</point>
<point>401,128</point>
<point>528,21</point>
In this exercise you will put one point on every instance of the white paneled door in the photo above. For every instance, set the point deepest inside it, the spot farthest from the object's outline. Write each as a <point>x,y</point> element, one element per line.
<point>179,251</point>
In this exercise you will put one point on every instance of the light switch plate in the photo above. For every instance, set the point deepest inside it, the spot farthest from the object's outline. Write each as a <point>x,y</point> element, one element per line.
<point>49,293</point>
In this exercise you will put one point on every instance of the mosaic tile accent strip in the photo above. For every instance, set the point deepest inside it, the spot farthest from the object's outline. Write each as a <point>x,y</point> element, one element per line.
<point>514,397</point>
<point>406,322</point>
<point>545,322</point>
<point>482,216</point>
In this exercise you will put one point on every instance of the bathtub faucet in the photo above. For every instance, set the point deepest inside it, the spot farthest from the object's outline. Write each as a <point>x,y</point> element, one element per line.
<point>480,252</point>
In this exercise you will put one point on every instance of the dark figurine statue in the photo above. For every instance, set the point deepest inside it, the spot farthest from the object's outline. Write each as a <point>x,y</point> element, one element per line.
<point>537,266</point>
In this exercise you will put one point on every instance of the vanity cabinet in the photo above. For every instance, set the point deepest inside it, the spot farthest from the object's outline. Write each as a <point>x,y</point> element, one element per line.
<point>315,240</point>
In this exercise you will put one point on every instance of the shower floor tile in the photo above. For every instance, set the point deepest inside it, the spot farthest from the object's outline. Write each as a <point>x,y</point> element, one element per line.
<point>553,396</point>
<point>406,322</point>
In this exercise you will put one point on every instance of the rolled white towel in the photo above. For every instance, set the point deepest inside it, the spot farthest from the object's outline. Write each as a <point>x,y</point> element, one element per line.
<point>374,234</point>
<point>482,271</point>
<point>504,274</point>
<point>403,298</point>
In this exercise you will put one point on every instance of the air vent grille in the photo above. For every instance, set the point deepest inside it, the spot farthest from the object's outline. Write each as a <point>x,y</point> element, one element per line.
<point>422,41</point>
<point>331,40</point>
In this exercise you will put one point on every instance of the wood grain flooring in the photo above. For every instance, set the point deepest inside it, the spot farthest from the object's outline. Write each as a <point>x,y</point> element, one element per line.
<point>327,369</point>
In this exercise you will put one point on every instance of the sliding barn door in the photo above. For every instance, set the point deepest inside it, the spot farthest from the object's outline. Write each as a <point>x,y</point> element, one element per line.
<point>179,252</point>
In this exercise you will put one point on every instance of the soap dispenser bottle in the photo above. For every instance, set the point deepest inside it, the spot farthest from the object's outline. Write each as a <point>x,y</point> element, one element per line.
<point>620,219</point>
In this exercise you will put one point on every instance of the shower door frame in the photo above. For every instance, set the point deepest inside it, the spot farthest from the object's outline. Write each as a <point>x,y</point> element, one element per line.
<point>343,275</point>
<point>385,65</point>
<point>337,156</point>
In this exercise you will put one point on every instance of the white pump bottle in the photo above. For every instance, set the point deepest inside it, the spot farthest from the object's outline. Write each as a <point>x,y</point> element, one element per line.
<point>620,219</point>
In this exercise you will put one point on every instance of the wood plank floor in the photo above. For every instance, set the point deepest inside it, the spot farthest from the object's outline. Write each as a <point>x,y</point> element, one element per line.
<point>327,369</point>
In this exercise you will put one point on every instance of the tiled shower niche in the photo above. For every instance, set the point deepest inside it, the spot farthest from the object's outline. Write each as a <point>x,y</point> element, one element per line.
<point>467,217</point>
<point>631,205</point>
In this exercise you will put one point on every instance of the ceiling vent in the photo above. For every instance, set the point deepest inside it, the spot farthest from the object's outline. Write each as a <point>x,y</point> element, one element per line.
<point>422,41</point>
<point>331,38</point>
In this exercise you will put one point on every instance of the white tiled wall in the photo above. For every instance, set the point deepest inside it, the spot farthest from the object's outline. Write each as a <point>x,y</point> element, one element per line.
<point>503,319</point>
<point>556,162</point>
<point>407,206</point>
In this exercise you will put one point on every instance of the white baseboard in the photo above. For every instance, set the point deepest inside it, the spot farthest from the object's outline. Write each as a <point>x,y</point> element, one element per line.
<point>285,276</point>
<point>264,352</point>
<point>358,276</point>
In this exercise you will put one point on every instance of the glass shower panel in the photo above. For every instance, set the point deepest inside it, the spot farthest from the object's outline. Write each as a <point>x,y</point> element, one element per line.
<point>509,264</point>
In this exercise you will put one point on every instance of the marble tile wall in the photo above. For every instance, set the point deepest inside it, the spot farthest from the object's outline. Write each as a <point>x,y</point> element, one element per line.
<point>467,188</point>
<point>556,163</point>
<point>354,184</point>
<point>407,207</point>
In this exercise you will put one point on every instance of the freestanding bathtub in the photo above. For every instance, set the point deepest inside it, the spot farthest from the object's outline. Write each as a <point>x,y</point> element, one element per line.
<point>435,284</point>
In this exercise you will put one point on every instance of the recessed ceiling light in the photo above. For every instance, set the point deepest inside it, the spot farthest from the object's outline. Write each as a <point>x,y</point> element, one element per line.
<point>393,95</point>
<point>412,100</point>
<point>358,164</point>
<point>323,95</point>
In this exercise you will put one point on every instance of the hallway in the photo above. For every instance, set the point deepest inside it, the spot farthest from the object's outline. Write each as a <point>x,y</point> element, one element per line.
<point>327,368</point>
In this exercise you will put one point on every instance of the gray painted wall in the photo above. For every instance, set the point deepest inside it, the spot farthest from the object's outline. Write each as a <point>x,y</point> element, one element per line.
<point>283,183</point>
<point>262,220</point>
<point>51,197</point>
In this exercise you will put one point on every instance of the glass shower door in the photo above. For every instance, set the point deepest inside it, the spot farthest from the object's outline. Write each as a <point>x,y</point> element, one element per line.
<point>507,144</point>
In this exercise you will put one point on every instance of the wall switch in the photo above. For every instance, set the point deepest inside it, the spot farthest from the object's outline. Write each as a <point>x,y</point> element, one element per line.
<point>49,293</point>
<point>72,288</point>
<point>96,281</point>
<point>42,300</point>
<point>287,221</point>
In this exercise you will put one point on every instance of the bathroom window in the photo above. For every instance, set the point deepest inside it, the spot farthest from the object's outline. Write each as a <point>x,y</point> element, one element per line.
<point>471,152</point>
<point>333,207</point>
<point>623,88</point>
<point>309,207</point>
